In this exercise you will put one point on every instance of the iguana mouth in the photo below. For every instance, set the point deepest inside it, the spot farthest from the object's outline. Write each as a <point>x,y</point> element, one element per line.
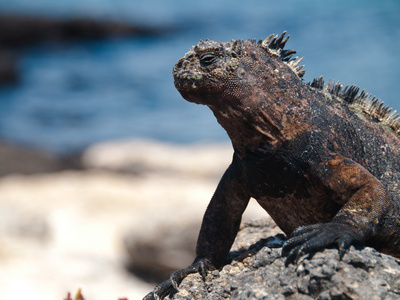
<point>187,80</point>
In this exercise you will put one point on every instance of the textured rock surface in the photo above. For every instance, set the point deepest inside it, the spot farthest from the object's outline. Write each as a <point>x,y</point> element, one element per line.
<point>257,272</point>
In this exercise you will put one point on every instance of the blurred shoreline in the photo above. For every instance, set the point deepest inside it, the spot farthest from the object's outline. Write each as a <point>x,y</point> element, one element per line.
<point>131,156</point>
<point>19,31</point>
<point>74,225</point>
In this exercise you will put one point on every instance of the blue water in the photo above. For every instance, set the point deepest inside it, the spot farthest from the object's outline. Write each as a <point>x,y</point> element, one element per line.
<point>73,95</point>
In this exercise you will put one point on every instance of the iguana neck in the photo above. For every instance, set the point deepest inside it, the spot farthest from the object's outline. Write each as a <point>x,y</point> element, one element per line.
<point>248,127</point>
<point>253,123</point>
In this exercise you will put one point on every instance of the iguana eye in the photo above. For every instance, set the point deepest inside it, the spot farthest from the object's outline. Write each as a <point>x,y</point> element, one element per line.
<point>208,59</point>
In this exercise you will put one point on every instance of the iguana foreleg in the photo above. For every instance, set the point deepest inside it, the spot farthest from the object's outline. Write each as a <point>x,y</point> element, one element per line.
<point>364,201</point>
<point>219,228</point>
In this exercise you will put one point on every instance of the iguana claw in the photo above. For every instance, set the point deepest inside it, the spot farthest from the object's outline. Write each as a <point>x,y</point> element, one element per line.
<point>312,238</point>
<point>200,265</point>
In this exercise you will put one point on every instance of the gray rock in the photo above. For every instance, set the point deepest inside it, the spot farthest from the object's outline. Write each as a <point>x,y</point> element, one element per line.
<point>17,159</point>
<point>155,255</point>
<point>258,272</point>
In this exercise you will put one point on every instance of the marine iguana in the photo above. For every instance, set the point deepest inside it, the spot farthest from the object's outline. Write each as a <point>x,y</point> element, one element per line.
<point>322,160</point>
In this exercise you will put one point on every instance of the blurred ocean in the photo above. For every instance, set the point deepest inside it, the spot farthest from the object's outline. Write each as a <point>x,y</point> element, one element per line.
<point>76,94</point>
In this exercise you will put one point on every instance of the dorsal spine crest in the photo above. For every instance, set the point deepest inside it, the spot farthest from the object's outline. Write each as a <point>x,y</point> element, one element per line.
<point>275,44</point>
<point>369,104</point>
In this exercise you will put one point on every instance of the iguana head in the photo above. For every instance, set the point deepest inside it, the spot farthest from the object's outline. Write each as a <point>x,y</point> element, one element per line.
<point>256,93</point>
<point>250,86</point>
<point>212,72</point>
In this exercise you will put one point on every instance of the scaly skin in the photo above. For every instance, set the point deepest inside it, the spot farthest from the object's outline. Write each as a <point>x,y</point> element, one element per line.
<point>315,159</point>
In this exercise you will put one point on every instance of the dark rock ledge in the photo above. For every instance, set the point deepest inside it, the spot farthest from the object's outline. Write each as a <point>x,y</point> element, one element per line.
<point>17,31</point>
<point>22,30</point>
<point>258,272</point>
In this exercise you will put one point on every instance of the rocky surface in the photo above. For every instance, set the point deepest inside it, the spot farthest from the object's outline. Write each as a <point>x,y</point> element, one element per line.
<point>257,271</point>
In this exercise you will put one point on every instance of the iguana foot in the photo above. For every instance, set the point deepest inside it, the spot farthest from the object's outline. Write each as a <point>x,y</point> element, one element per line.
<point>312,238</point>
<point>201,265</point>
